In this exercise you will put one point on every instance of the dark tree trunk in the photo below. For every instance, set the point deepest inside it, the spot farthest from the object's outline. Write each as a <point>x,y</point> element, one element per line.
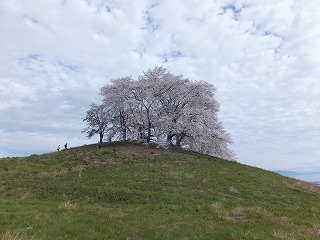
<point>179,138</point>
<point>124,134</point>
<point>101,137</point>
<point>149,132</point>
<point>169,138</point>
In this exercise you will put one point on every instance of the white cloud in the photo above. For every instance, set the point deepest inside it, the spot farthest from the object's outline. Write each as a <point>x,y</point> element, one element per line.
<point>262,57</point>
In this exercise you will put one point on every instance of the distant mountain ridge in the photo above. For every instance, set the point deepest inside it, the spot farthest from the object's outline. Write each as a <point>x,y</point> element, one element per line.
<point>308,176</point>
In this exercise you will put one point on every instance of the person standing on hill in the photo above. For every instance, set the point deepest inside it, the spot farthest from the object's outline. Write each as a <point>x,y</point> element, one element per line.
<point>58,148</point>
<point>66,146</point>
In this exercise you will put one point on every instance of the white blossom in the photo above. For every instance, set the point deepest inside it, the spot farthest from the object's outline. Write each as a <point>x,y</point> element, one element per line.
<point>168,109</point>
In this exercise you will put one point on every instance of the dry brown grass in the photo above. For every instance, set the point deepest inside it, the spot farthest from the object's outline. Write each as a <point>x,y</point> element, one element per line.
<point>281,235</point>
<point>68,205</point>
<point>242,212</point>
<point>233,189</point>
<point>26,195</point>
<point>315,231</point>
<point>224,171</point>
<point>8,235</point>
<point>239,213</point>
<point>236,214</point>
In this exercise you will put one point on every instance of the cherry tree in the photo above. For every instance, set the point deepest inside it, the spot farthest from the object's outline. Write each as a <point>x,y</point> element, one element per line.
<point>167,108</point>
<point>152,84</point>
<point>97,121</point>
<point>116,100</point>
<point>205,134</point>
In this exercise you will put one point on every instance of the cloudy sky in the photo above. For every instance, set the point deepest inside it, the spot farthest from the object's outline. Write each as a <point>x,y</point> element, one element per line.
<point>262,56</point>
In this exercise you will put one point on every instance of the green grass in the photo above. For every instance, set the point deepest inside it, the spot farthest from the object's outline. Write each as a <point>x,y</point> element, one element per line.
<point>131,191</point>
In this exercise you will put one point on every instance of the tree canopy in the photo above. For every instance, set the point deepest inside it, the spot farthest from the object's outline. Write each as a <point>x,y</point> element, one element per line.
<point>160,107</point>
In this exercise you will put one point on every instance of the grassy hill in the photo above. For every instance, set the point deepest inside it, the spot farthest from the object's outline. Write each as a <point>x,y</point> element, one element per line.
<point>131,191</point>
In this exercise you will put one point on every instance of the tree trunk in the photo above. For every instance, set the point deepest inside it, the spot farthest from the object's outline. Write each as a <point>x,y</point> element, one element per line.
<point>123,126</point>
<point>179,138</point>
<point>149,126</point>
<point>149,132</point>
<point>169,138</point>
<point>124,134</point>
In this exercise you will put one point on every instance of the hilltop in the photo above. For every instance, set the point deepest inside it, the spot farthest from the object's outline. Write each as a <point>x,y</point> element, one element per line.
<point>133,191</point>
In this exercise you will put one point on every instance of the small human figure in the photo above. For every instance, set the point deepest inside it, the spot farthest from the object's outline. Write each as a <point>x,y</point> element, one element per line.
<point>58,148</point>
<point>66,146</point>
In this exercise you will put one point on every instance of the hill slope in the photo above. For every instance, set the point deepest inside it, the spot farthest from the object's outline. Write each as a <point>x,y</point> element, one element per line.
<point>130,191</point>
